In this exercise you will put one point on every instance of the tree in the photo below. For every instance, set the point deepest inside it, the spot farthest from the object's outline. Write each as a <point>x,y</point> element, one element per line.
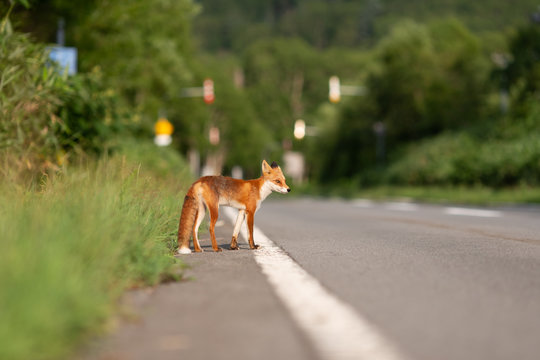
<point>430,79</point>
<point>285,79</point>
<point>143,48</point>
<point>425,79</point>
<point>523,72</point>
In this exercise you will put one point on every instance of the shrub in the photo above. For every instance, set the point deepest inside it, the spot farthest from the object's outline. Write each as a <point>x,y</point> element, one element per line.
<point>45,115</point>
<point>461,159</point>
<point>28,102</point>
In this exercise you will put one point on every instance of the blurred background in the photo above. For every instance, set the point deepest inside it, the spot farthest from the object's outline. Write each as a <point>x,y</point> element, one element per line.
<point>429,92</point>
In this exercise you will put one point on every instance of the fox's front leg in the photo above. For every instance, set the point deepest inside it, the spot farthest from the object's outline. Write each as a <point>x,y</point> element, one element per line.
<point>237,226</point>
<point>250,219</point>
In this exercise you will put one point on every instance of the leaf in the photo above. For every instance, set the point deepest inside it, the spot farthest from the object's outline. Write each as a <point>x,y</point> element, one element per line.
<point>24,3</point>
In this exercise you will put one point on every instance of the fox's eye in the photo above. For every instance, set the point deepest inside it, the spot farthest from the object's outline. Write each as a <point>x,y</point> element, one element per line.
<point>278,181</point>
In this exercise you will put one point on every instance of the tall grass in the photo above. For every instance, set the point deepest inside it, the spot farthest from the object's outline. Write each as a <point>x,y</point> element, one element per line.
<point>72,243</point>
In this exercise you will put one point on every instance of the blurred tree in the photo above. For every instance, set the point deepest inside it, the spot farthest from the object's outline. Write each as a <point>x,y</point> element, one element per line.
<point>330,23</point>
<point>244,138</point>
<point>325,23</point>
<point>143,49</point>
<point>42,19</point>
<point>430,79</point>
<point>523,72</point>
<point>285,78</point>
<point>45,115</point>
<point>426,80</point>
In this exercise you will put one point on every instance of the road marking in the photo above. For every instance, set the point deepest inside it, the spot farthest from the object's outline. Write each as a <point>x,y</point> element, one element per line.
<point>335,328</point>
<point>363,203</point>
<point>401,206</point>
<point>472,212</point>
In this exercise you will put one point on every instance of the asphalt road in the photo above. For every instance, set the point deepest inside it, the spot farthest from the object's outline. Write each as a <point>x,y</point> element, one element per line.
<point>437,282</point>
<point>440,282</point>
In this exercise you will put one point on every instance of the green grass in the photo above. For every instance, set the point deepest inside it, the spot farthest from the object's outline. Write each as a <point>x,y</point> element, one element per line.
<point>456,195</point>
<point>432,194</point>
<point>72,244</point>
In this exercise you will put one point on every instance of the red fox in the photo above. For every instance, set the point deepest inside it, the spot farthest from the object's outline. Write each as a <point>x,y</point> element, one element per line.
<point>211,191</point>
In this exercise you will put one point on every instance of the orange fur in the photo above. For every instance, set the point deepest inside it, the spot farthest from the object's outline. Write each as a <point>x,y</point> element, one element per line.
<point>209,192</point>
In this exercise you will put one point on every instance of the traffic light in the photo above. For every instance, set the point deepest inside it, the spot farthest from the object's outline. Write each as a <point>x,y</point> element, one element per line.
<point>208,91</point>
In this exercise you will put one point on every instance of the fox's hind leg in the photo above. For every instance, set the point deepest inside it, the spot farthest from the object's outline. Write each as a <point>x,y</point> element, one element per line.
<point>198,220</point>
<point>213,209</point>
<point>237,226</point>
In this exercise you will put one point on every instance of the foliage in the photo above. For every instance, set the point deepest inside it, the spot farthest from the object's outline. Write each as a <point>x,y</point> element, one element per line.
<point>41,17</point>
<point>349,24</point>
<point>431,78</point>
<point>283,80</point>
<point>462,158</point>
<point>28,102</point>
<point>423,79</point>
<point>343,23</point>
<point>426,80</point>
<point>45,114</point>
<point>523,71</point>
<point>72,246</point>
<point>504,152</point>
<point>90,114</point>
<point>143,50</point>
<point>245,138</point>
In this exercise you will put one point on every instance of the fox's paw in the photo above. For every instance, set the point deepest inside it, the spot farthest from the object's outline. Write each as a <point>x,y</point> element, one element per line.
<point>234,247</point>
<point>184,251</point>
<point>218,249</point>
<point>254,247</point>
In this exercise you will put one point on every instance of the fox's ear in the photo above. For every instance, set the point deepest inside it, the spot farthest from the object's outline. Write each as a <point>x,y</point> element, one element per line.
<point>274,165</point>
<point>266,167</point>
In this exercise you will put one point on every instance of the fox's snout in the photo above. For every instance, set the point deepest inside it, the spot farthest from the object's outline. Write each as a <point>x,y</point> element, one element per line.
<point>280,187</point>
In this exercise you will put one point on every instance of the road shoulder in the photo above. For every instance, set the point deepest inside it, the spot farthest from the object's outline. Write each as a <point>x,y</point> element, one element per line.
<point>225,310</point>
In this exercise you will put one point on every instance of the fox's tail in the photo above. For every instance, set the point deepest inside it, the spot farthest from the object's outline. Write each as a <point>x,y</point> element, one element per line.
<point>187,219</point>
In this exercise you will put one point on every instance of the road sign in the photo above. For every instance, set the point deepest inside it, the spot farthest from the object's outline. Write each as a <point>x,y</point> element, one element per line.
<point>163,129</point>
<point>335,89</point>
<point>66,57</point>
<point>213,135</point>
<point>299,129</point>
<point>208,91</point>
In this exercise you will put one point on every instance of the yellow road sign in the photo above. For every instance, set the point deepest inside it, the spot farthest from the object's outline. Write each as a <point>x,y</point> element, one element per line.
<point>163,127</point>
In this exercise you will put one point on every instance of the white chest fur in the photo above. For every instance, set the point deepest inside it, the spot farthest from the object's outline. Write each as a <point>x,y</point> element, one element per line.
<point>265,190</point>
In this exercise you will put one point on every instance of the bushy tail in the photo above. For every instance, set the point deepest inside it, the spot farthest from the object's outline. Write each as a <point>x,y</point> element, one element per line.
<point>187,219</point>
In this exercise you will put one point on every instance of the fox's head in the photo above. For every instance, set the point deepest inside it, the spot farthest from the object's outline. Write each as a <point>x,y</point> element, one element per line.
<point>273,176</point>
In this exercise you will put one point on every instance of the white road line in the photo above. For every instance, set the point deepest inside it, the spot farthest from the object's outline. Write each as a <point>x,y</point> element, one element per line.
<point>472,212</point>
<point>401,206</point>
<point>363,203</point>
<point>336,330</point>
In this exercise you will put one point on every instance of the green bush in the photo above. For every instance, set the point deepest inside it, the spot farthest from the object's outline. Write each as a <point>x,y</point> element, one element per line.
<point>89,114</point>
<point>461,159</point>
<point>28,101</point>
<point>45,115</point>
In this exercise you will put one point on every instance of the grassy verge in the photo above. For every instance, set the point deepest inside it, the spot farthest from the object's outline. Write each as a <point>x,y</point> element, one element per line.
<point>460,195</point>
<point>431,194</point>
<point>72,244</point>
